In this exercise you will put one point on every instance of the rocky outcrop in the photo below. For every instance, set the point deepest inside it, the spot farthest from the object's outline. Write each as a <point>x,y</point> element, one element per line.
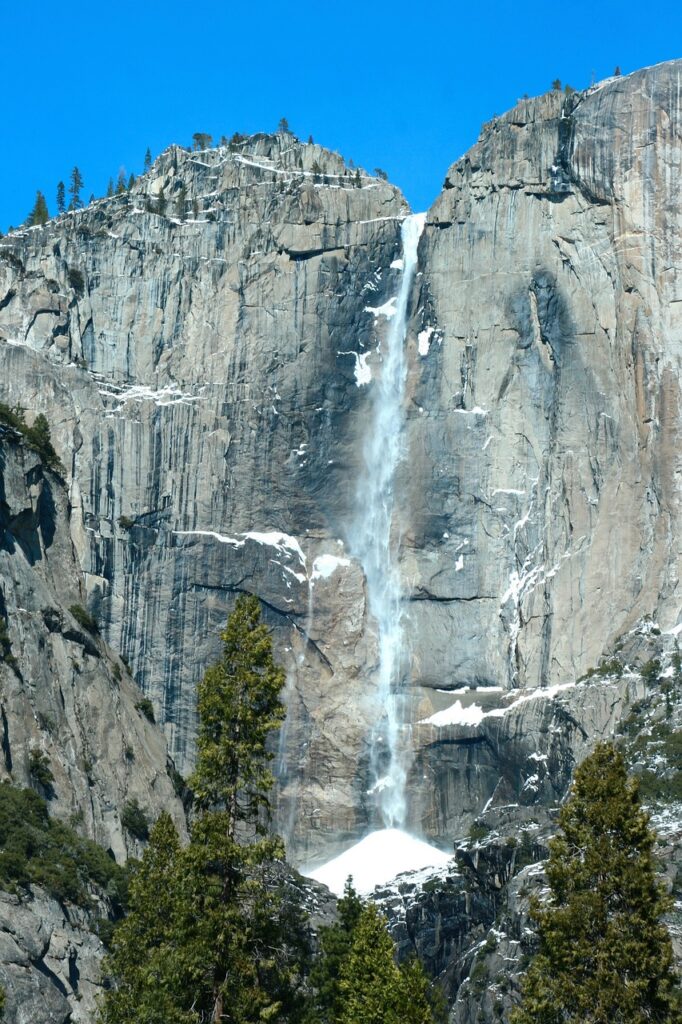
<point>49,961</point>
<point>199,370</point>
<point>204,347</point>
<point>65,698</point>
<point>543,509</point>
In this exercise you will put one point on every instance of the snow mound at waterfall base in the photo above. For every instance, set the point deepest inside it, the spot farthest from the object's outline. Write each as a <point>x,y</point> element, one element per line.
<point>377,859</point>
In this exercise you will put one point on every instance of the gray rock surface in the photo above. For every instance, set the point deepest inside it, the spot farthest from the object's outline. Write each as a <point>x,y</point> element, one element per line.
<point>49,961</point>
<point>196,346</point>
<point>63,693</point>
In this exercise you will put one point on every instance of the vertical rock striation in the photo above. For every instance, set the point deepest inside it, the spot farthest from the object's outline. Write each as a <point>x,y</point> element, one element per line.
<point>204,348</point>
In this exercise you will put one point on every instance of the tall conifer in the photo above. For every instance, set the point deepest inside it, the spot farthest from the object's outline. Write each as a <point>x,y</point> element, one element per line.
<point>604,954</point>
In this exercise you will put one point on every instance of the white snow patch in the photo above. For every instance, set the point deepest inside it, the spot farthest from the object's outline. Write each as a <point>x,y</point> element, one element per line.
<point>397,265</point>
<point>476,411</point>
<point>168,395</point>
<point>487,442</point>
<point>325,565</point>
<point>456,714</point>
<point>474,714</point>
<point>363,371</point>
<point>459,564</point>
<point>388,309</point>
<point>282,542</point>
<point>424,342</point>
<point>377,859</point>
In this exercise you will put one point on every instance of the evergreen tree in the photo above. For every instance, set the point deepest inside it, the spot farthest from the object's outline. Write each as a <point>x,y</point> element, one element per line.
<point>121,182</point>
<point>201,140</point>
<point>283,125</point>
<point>110,188</point>
<point>144,954</point>
<point>604,954</point>
<point>208,937</point>
<point>131,182</point>
<point>75,186</point>
<point>38,214</point>
<point>61,197</point>
<point>147,160</point>
<point>336,942</point>
<point>374,989</point>
<point>38,436</point>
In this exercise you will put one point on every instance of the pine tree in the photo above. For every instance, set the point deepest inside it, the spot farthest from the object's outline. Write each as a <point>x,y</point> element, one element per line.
<point>38,214</point>
<point>110,188</point>
<point>604,955</point>
<point>75,186</point>
<point>207,934</point>
<point>147,160</point>
<point>336,942</point>
<point>121,182</point>
<point>61,197</point>
<point>374,989</point>
<point>131,181</point>
<point>144,954</point>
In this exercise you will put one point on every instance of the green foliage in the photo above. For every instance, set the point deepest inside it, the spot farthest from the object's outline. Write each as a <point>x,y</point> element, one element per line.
<point>125,522</point>
<point>651,671</point>
<point>374,990</point>
<point>556,85</point>
<point>134,820</point>
<point>335,941</point>
<point>36,437</point>
<point>662,784</point>
<point>146,708</point>
<point>355,979</point>
<point>39,214</point>
<point>201,140</point>
<point>147,159</point>
<point>604,954</point>
<point>84,619</point>
<point>606,667</point>
<point>209,933</point>
<point>61,197</point>
<point>478,831</point>
<point>75,186</point>
<point>39,768</point>
<point>37,849</point>
<point>142,945</point>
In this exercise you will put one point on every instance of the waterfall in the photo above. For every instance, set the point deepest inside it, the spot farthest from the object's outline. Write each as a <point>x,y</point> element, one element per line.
<point>373,545</point>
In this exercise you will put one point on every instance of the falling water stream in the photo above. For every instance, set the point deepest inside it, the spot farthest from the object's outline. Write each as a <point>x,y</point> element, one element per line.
<point>373,540</point>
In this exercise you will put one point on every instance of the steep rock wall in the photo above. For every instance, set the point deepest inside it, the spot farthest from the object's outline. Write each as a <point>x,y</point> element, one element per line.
<point>204,346</point>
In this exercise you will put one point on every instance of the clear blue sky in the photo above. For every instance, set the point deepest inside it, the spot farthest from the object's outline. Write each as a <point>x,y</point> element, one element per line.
<point>402,86</point>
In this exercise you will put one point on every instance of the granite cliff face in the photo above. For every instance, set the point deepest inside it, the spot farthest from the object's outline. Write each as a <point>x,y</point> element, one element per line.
<point>205,350</point>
